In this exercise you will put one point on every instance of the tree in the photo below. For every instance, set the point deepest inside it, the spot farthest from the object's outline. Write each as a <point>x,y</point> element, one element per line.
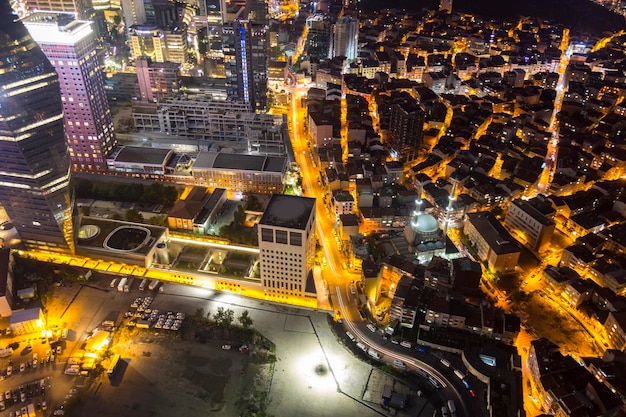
<point>245,320</point>
<point>229,317</point>
<point>219,316</point>
<point>133,215</point>
<point>199,314</point>
<point>84,188</point>
<point>224,317</point>
<point>239,216</point>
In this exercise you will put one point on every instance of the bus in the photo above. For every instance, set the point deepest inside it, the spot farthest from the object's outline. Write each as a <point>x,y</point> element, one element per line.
<point>113,365</point>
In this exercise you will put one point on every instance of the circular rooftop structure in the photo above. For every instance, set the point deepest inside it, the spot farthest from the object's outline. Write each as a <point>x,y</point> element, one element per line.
<point>88,231</point>
<point>127,238</point>
<point>424,223</point>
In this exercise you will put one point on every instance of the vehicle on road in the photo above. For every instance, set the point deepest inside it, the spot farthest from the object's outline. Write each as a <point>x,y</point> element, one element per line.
<point>459,374</point>
<point>144,283</point>
<point>399,363</point>
<point>452,407</point>
<point>445,363</point>
<point>421,348</point>
<point>113,283</point>
<point>371,327</point>
<point>433,381</point>
<point>350,336</point>
<point>361,346</point>
<point>226,347</point>
<point>405,344</point>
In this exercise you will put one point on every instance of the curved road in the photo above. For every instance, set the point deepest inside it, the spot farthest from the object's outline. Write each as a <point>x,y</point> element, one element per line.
<point>339,278</point>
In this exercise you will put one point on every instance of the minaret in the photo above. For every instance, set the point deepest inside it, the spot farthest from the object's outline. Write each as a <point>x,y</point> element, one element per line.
<point>451,201</point>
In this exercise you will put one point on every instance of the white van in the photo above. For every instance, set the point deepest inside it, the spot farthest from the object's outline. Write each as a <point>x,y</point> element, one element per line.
<point>350,336</point>
<point>373,354</point>
<point>361,346</point>
<point>371,327</point>
<point>445,363</point>
<point>113,283</point>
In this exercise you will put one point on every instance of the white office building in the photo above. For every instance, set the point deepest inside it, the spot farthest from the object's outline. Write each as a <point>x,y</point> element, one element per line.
<point>287,247</point>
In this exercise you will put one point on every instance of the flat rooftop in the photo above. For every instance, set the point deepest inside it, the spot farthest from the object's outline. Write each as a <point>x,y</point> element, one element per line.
<point>288,211</point>
<point>239,162</point>
<point>146,156</point>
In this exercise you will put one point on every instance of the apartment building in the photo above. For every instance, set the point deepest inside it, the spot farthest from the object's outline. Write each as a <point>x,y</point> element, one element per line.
<point>524,217</point>
<point>493,243</point>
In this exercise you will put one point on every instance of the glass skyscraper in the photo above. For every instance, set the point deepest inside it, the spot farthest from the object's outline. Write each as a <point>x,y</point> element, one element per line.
<point>34,162</point>
<point>70,46</point>
<point>245,46</point>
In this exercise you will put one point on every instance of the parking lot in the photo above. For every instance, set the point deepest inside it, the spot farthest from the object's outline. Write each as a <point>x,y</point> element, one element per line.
<point>164,372</point>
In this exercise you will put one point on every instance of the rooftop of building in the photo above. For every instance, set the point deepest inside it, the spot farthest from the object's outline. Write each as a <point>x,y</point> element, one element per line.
<point>149,156</point>
<point>239,162</point>
<point>288,211</point>
<point>493,232</point>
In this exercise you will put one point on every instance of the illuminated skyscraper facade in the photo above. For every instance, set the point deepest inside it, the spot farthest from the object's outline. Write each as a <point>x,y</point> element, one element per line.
<point>70,46</point>
<point>245,46</point>
<point>345,38</point>
<point>34,163</point>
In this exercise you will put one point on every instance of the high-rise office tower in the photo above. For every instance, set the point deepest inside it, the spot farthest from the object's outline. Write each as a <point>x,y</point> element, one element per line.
<point>257,12</point>
<point>317,42</point>
<point>157,80</point>
<point>209,22</point>
<point>245,48</point>
<point>345,38</point>
<point>80,7</point>
<point>34,163</point>
<point>70,46</point>
<point>287,247</point>
<point>134,13</point>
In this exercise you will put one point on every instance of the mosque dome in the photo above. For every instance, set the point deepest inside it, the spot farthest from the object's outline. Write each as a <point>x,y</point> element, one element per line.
<point>424,223</point>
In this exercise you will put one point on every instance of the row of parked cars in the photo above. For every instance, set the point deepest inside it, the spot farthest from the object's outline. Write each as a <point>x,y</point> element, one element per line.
<point>21,395</point>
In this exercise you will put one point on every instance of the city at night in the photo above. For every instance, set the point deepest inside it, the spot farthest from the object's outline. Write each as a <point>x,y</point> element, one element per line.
<point>280,208</point>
